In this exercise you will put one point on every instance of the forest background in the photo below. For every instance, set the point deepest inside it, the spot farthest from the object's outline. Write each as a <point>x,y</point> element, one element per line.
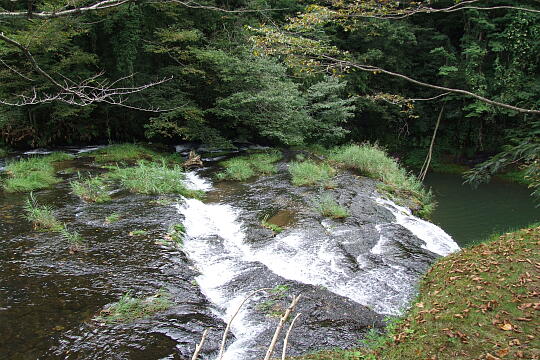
<point>276,72</point>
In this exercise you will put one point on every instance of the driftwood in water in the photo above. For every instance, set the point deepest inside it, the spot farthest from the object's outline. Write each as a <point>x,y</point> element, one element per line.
<point>194,160</point>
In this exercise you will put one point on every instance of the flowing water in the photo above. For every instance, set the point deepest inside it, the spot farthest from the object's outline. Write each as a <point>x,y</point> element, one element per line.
<point>351,273</point>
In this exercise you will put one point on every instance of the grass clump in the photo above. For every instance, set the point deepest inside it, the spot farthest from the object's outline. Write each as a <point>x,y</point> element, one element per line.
<point>244,167</point>
<point>130,308</point>
<point>479,303</point>
<point>153,179</point>
<point>138,233</point>
<point>115,217</point>
<point>373,161</point>
<point>122,152</point>
<point>3,152</point>
<point>33,173</point>
<point>310,173</point>
<point>268,225</point>
<point>91,190</point>
<point>175,235</point>
<point>41,216</point>
<point>327,206</point>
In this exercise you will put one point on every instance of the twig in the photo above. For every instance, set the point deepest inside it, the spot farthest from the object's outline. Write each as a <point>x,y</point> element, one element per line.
<point>280,326</point>
<point>200,345</point>
<point>227,328</point>
<point>425,167</point>
<point>286,340</point>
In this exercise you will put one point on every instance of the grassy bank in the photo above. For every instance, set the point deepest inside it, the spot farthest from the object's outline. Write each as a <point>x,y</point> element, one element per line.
<point>33,173</point>
<point>479,303</point>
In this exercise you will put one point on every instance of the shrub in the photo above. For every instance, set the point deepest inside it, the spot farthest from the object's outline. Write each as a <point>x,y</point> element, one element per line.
<point>153,178</point>
<point>244,167</point>
<point>130,308</point>
<point>372,161</point>
<point>33,173</point>
<point>91,190</point>
<point>310,173</point>
<point>329,207</point>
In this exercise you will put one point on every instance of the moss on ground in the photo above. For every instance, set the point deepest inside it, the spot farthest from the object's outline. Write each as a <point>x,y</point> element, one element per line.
<point>479,303</point>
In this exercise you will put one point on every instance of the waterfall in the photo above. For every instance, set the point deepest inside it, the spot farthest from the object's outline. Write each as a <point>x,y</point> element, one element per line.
<point>215,241</point>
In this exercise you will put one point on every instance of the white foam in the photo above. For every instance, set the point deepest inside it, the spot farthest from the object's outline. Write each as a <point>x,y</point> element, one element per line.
<point>89,148</point>
<point>212,230</point>
<point>194,182</point>
<point>38,152</point>
<point>435,239</point>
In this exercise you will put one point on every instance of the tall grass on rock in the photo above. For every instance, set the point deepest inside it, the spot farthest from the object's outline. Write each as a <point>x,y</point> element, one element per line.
<point>327,206</point>
<point>244,167</point>
<point>34,173</point>
<point>123,152</point>
<point>41,216</point>
<point>373,161</point>
<point>91,190</point>
<point>153,179</point>
<point>310,173</point>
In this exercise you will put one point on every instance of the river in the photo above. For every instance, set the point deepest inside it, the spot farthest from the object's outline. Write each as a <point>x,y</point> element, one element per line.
<point>470,215</point>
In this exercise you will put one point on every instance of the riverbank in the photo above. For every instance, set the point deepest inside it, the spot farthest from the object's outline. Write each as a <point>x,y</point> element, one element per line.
<point>479,303</point>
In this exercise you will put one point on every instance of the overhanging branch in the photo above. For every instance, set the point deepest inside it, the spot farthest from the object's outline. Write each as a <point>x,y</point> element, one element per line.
<point>375,69</point>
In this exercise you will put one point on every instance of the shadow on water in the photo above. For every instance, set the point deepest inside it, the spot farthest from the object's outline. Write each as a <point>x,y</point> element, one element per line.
<point>470,215</point>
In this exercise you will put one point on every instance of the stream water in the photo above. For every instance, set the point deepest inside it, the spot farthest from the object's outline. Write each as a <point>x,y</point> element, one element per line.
<point>471,215</point>
<point>351,273</point>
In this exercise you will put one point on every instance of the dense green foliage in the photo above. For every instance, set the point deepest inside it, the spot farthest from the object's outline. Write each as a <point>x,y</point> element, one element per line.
<point>130,308</point>
<point>91,190</point>
<point>231,78</point>
<point>309,173</point>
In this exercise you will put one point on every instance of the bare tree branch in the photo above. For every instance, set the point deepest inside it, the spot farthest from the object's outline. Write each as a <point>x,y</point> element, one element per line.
<point>199,346</point>
<point>100,5</point>
<point>228,327</point>
<point>282,321</point>
<point>421,9</point>
<point>375,69</point>
<point>286,340</point>
<point>92,90</point>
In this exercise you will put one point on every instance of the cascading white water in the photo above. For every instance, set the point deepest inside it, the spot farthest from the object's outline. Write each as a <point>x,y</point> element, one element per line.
<point>212,230</point>
<point>215,241</point>
<point>435,239</point>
